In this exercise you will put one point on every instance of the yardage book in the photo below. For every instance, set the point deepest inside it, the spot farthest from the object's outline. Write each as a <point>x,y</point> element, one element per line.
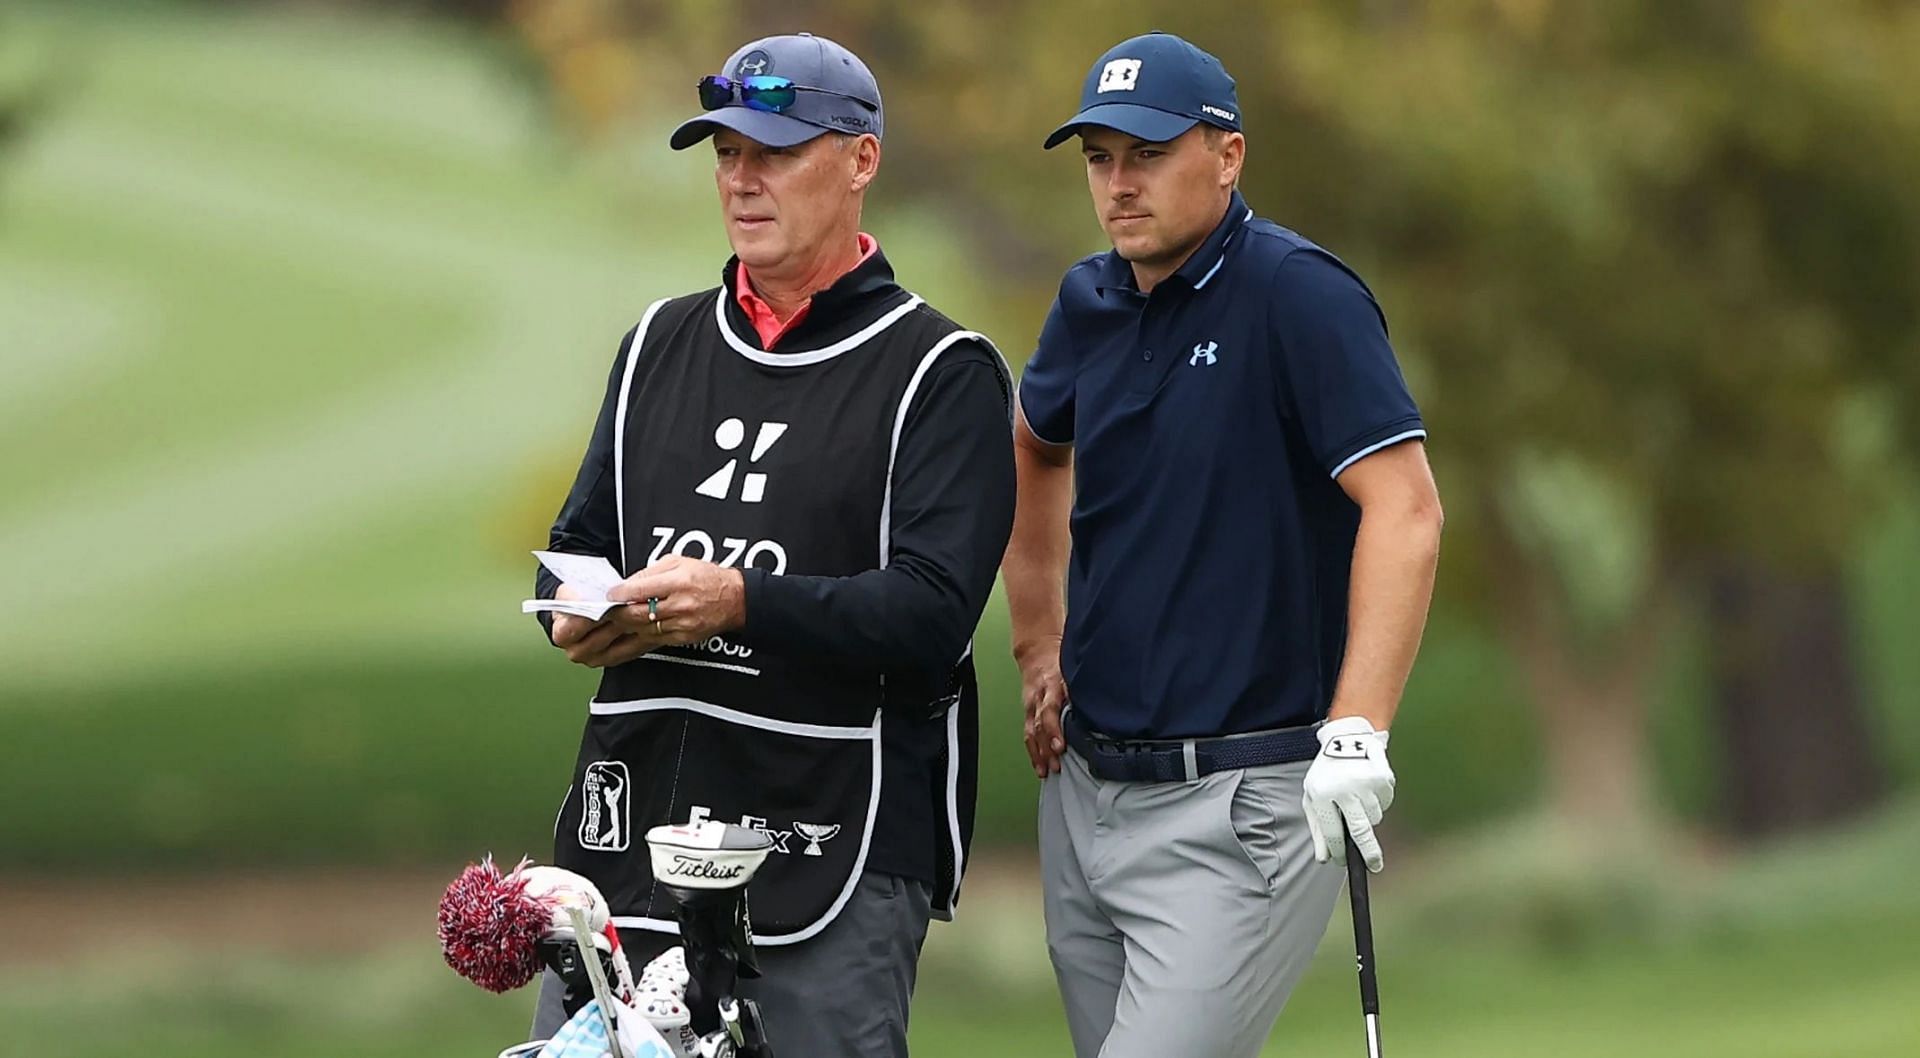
<point>590,574</point>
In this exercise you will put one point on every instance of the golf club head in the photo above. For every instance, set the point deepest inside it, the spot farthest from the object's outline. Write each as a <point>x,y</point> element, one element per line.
<point>705,869</point>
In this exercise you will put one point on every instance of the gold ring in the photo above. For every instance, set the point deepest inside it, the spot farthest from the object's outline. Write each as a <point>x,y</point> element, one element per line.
<point>653,610</point>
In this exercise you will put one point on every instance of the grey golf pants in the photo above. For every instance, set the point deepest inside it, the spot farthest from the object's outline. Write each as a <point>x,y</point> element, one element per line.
<point>1179,914</point>
<point>842,993</point>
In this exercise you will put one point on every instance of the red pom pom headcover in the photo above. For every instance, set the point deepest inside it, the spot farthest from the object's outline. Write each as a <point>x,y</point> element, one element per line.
<point>489,926</point>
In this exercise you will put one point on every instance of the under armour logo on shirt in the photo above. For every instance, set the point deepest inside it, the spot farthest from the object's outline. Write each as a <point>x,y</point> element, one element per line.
<point>1203,351</point>
<point>1119,75</point>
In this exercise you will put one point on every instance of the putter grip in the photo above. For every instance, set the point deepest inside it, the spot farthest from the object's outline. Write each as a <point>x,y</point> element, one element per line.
<point>1362,929</point>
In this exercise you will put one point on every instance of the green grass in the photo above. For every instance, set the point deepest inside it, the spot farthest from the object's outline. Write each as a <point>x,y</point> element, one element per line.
<point>1806,953</point>
<point>1840,995</point>
<point>308,317</point>
<point>412,755</point>
<point>274,310</point>
<point>374,764</point>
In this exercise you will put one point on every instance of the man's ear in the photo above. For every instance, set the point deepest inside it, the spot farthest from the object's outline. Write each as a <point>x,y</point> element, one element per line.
<point>866,160</point>
<point>1233,157</point>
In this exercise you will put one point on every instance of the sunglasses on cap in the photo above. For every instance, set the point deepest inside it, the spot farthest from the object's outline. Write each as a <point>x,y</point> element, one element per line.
<point>771,94</point>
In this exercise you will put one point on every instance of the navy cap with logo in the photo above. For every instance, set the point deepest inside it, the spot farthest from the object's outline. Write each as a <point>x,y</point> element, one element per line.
<point>1155,87</point>
<point>833,92</point>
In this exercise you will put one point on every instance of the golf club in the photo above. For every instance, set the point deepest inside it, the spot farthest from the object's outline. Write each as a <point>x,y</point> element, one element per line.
<point>1363,945</point>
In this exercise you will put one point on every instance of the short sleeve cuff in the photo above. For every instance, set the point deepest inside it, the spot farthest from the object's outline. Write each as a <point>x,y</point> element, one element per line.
<point>1393,433</point>
<point>1046,420</point>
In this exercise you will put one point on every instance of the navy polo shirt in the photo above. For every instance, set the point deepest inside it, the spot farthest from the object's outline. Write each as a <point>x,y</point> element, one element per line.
<point>1210,419</point>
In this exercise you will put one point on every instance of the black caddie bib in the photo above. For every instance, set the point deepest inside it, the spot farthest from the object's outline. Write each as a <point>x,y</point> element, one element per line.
<point>780,462</point>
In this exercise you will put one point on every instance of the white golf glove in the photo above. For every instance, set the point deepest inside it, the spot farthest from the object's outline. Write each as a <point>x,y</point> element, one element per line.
<point>1350,778</point>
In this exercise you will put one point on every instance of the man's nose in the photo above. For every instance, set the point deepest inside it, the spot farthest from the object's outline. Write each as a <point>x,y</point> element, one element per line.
<point>743,178</point>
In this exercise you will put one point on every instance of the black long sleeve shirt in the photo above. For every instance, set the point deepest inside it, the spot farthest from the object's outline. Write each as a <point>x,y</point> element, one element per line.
<point>951,514</point>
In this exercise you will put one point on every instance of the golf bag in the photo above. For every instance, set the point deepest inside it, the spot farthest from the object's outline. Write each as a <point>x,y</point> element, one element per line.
<point>687,996</point>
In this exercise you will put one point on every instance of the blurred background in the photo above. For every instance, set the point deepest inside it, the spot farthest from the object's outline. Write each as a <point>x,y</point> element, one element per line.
<point>306,307</point>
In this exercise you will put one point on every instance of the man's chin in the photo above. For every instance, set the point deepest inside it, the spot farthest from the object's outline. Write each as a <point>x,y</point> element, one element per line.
<point>758,253</point>
<point>756,245</point>
<point>1137,250</point>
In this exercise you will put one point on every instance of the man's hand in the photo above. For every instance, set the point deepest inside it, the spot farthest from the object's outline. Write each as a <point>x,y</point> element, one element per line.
<point>595,644</point>
<point>1350,778</point>
<point>1044,693</point>
<point>680,600</point>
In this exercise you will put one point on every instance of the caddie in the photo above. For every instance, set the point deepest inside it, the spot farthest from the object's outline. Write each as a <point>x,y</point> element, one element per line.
<point>805,476</point>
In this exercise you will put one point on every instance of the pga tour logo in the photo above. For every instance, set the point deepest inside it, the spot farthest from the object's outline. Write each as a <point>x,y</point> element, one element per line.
<point>604,807</point>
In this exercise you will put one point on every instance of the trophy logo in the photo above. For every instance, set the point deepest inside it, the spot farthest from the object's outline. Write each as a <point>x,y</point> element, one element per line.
<point>815,833</point>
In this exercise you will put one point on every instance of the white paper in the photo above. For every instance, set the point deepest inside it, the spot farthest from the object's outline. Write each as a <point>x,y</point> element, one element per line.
<point>587,608</point>
<point>590,575</point>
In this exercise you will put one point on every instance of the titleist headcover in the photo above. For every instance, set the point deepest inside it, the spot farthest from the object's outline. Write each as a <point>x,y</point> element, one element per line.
<point>706,855</point>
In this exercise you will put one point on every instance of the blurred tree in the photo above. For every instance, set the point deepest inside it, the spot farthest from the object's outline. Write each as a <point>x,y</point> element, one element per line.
<point>1649,261</point>
<point>1787,699</point>
<point>1650,286</point>
<point>469,10</point>
<point>31,79</point>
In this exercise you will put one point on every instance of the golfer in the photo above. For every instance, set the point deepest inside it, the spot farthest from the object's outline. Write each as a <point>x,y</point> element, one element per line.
<point>1251,550</point>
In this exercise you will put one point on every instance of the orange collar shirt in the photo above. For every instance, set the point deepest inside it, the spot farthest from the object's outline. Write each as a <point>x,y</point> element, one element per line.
<point>771,327</point>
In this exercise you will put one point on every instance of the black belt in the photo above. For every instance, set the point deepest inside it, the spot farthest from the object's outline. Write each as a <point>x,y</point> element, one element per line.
<point>1187,759</point>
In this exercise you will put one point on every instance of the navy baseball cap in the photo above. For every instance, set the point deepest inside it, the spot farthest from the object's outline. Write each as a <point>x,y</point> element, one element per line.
<point>1154,87</point>
<point>845,97</point>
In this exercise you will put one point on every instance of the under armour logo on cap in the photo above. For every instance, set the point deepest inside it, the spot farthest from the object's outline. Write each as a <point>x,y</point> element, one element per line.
<point>1188,87</point>
<point>1120,75</point>
<point>753,64</point>
<point>836,93</point>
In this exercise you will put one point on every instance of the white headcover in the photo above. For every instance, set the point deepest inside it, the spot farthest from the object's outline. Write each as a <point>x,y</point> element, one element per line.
<point>706,855</point>
<point>560,889</point>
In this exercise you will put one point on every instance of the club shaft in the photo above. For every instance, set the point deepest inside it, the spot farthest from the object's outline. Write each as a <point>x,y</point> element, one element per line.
<point>1363,945</point>
<point>597,979</point>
